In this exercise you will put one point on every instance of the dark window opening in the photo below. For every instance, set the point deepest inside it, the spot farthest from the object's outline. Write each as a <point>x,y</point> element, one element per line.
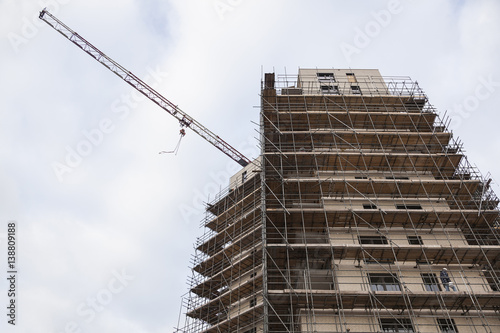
<point>492,278</point>
<point>360,177</point>
<point>409,206</point>
<point>356,90</point>
<point>243,177</point>
<point>372,239</point>
<point>253,302</point>
<point>396,325</point>
<point>383,282</point>
<point>328,89</point>
<point>369,206</point>
<point>430,282</point>
<point>391,177</point>
<point>326,77</point>
<point>415,240</point>
<point>447,326</point>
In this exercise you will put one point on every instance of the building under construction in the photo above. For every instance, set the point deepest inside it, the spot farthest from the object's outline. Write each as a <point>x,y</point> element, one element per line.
<point>362,214</point>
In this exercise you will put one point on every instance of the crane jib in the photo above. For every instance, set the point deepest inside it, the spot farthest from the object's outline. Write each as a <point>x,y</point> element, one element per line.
<point>184,119</point>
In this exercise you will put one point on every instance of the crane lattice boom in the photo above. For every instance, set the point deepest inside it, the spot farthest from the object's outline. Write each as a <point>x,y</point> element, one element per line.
<point>184,119</point>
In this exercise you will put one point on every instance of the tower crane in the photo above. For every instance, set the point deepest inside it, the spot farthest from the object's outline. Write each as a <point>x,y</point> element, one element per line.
<point>184,119</point>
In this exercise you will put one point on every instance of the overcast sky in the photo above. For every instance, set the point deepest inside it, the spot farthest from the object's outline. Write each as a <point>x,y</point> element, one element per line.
<point>105,224</point>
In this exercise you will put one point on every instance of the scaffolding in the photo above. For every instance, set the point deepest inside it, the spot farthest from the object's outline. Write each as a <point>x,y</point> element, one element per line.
<point>360,198</point>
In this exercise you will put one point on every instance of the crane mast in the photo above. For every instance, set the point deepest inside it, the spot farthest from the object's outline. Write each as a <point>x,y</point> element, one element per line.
<point>184,119</point>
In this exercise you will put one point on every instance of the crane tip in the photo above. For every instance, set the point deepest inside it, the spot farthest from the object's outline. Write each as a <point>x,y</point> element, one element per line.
<point>42,13</point>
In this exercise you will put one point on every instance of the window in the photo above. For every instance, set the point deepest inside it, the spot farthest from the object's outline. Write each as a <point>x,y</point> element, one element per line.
<point>356,90</point>
<point>372,239</point>
<point>415,240</point>
<point>369,206</point>
<point>430,282</point>
<point>351,77</point>
<point>447,326</point>
<point>391,177</point>
<point>413,206</point>
<point>492,279</point>
<point>396,325</point>
<point>329,89</point>
<point>326,77</point>
<point>360,177</point>
<point>383,282</point>
<point>243,177</point>
<point>253,301</point>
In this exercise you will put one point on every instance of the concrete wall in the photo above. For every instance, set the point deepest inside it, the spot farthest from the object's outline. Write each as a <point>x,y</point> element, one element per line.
<point>352,278</point>
<point>375,174</point>
<point>327,321</point>
<point>428,204</point>
<point>244,305</point>
<point>245,277</point>
<point>249,171</point>
<point>368,80</point>
<point>398,236</point>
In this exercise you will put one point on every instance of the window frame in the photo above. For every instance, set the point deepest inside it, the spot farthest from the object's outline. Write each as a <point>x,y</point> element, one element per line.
<point>253,302</point>
<point>445,323</point>
<point>409,206</point>
<point>431,282</point>
<point>329,89</point>
<point>372,239</point>
<point>322,76</point>
<point>403,325</point>
<point>385,280</point>
<point>369,206</point>
<point>351,78</point>
<point>356,89</point>
<point>414,240</point>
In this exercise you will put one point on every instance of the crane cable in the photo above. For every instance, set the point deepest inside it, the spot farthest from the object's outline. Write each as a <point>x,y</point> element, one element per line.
<point>182,132</point>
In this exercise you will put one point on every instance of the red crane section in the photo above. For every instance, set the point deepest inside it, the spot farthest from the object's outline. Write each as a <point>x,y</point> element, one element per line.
<point>184,119</point>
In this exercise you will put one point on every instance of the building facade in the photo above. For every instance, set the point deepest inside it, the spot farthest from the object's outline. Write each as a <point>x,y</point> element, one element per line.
<point>362,214</point>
